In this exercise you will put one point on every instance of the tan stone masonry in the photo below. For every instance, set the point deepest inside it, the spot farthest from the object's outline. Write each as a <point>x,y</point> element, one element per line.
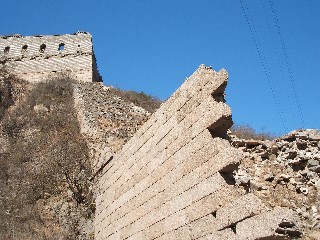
<point>173,178</point>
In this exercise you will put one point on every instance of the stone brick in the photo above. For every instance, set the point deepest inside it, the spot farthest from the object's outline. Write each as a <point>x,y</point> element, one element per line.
<point>182,233</point>
<point>268,225</point>
<point>244,207</point>
<point>226,234</point>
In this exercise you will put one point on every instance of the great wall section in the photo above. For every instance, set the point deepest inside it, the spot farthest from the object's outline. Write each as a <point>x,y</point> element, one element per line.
<point>173,179</point>
<point>178,173</point>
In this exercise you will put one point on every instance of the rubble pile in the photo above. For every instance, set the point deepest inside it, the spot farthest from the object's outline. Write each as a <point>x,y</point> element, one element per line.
<point>284,172</point>
<point>108,116</point>
<point>106,120</point>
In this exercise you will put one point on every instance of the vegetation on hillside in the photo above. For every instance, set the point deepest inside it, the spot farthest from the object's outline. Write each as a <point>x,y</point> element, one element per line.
<point>140,99</point>
<point>6,99</point>
<point>44,168</point>
<point>244,131</point>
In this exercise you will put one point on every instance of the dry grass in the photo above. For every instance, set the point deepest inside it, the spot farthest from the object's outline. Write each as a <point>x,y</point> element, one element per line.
<point>246,132</point>
<point>46,158</point>
<point>140,99</point>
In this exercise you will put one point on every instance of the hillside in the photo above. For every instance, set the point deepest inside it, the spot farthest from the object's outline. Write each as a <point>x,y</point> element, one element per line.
<point>45,164</point>
<point>46,159</point>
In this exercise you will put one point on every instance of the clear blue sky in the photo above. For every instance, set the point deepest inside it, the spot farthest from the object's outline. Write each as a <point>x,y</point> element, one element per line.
<point>153,45</point>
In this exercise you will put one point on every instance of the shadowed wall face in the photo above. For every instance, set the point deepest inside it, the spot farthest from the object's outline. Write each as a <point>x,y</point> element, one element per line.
<point>173,179</point>
<point>36,57</point>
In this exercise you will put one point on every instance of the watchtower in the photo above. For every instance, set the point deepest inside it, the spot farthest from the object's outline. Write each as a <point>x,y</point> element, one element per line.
<point>34,58</point>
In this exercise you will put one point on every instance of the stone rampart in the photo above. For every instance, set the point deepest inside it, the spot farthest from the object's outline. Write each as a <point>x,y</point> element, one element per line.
<point>174,179</point>
<point>36,57</point>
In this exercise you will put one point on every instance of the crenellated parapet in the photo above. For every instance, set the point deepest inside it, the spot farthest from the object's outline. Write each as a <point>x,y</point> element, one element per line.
<point>36,57</point>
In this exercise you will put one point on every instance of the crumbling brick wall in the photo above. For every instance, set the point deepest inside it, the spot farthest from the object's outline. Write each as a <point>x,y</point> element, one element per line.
<point>174,178</point>
<point>34,58</point>
<point>106,120</point>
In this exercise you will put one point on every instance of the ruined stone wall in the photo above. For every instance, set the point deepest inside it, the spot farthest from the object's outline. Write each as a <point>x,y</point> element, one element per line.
<point>106,120</point>
<point>36,57</point>
<point>174,179</point>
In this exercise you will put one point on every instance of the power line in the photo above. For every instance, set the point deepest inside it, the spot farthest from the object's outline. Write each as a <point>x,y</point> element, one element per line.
<point>262,57</point>
<point>274,42</point>
<point>288,65</point>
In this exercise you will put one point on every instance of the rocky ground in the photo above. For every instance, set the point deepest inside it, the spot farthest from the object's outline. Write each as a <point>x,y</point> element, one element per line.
<point>285,172</point>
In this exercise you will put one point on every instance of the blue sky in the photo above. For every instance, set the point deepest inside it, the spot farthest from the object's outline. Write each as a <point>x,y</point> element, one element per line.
<point>270,49</point>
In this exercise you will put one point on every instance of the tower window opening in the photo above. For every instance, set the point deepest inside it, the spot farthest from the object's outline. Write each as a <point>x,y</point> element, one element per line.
<point>24,48</point>
<point>61,47</point>
<point>6,49</point>
<point>42,47</point>
<point>79,49</point>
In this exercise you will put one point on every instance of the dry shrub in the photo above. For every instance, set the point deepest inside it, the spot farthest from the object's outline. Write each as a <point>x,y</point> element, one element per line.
<point>244,131</point>
<point>47,156</point>
<point>6,99</point>
<point>140,99</point>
